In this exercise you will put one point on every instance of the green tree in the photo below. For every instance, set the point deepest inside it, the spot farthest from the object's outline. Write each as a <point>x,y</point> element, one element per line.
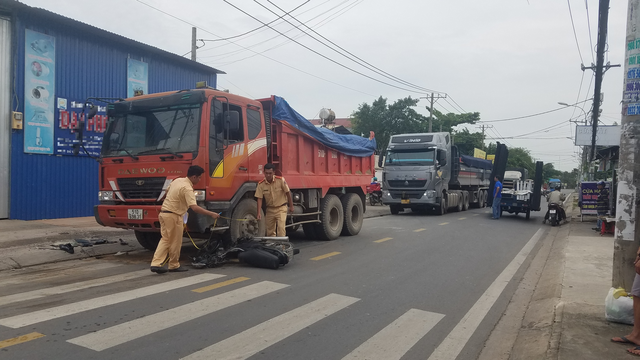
<point>521,157</point>
<point>466,141</point>
<point>386,120</point>
<point>450,120</point>
<point>550,172</point>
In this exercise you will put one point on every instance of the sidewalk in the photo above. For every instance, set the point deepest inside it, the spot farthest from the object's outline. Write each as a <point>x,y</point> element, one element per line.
<point>558,310</point>
<point>29,243</point>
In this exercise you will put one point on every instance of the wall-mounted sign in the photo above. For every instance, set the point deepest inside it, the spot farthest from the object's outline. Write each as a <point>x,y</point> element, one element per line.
<point>68,119</point>
<point>137,77</point>
<point>607,135</point>
<point>39,92</point>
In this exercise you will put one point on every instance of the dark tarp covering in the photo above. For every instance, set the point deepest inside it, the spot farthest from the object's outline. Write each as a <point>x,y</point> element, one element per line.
<point>352,145</point>
<point>476,162</point>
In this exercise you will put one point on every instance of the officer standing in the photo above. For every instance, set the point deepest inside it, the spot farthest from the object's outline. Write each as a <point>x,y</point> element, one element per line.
<point>180,198</point>
<point>277,196</point>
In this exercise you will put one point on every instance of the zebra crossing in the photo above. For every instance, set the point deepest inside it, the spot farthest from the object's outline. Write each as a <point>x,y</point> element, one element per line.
<point>392,341</point>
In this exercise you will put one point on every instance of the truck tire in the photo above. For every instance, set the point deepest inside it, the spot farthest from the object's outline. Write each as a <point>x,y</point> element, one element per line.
<point>395,209</point>
<point>483,197</point>
<point>528,214</point>
<point>353,214</point>
<point>331,217</point>
<point>465,200</point>
<point>148,240</point>
<point>443,207</point>
<point>246,209</point>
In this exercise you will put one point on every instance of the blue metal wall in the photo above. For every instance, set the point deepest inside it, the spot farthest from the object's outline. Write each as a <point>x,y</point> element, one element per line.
<point>52,186</point>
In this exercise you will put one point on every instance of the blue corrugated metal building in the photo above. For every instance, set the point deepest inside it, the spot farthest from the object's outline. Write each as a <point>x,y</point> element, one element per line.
<point>52,64</point>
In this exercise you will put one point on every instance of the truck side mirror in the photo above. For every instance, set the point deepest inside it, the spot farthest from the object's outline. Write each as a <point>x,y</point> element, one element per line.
<point>92,111</point>
<point>442,157</point>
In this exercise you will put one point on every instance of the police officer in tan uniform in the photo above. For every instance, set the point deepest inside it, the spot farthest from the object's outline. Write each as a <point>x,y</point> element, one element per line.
<point>180,198</point>
<point>277,196</point>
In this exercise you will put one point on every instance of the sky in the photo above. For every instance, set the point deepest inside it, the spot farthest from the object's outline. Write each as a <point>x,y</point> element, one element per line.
<point>502,58</point>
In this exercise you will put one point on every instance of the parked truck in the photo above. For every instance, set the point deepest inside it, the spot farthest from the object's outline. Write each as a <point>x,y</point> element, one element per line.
<point>153,139</point>
<point>520,194</point>
<point>426,172</point>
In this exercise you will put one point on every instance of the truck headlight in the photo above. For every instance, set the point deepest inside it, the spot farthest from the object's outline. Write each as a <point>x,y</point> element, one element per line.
<point>430,193</point>
<point>105,196</point>
<point>200,195</point>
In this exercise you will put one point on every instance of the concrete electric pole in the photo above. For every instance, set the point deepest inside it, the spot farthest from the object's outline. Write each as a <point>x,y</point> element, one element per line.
<point>193,43</point>
<point>433,97</point>
<point>626,236</point>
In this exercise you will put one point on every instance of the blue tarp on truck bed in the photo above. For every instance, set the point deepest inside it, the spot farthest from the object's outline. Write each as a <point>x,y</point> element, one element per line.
<point>476,162</point>
<point>352,145</point>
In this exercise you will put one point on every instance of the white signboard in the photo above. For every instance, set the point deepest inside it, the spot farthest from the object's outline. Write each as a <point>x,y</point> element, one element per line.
<point>607,135</point>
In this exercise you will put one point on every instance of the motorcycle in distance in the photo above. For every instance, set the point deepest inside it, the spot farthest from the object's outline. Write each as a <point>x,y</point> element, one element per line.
<point>554,214</point>
<point>375,194</point>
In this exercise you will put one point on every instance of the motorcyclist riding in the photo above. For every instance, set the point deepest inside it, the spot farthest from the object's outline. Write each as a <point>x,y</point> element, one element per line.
<point>556,197</point>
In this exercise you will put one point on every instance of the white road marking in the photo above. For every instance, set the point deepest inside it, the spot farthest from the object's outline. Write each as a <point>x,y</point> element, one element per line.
<point>397,338</point>
<point>122,333</point>
<point>451,346</point>
<point>35,294</point>
<point>260,337</point>
<point>82,306</point>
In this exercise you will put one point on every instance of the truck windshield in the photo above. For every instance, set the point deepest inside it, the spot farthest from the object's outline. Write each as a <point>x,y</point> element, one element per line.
<point>167,130</point>
<point>423,157</point>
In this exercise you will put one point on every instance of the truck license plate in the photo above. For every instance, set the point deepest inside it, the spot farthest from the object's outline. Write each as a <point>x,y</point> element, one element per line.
<point>134,214</point>
<point>405,201</point>
<point>552,211</point>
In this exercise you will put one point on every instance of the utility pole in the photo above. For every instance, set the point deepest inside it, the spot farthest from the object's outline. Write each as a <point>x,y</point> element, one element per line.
<point>484,126</point>
<point>433,97</point>
<point>603,16</point>
<point>193,43</point>
<point>627,233</point>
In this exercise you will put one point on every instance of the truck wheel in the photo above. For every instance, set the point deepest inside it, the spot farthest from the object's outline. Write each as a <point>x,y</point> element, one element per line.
<point>395,209</point>
<point>465,202</point>
<point>443,207</point>
<point>353,214</point>
<point>460,205</point>
<point>332,218</point>
<point>528,214</point>
<point>148,240</point>
<point>483,199</point>
<point>246,209</point>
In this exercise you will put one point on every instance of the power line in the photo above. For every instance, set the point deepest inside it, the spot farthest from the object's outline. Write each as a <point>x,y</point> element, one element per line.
<point>274,37</point>
<point>574,32</point>
<point>459,107</point>
<point>589,27</point>
<point>321,55</point>
<point>528,116</point>
<point>265,56</point>
<point>318,25</point>
<point>259,27</point>
<point>360,62</point>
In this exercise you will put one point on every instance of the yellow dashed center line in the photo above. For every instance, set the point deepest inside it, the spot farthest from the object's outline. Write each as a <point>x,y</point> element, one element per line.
<point>418,230</point>
<point>220,284</point>
<point>20,339</point>
<point>445,223</point>
<point>382,240</point>
<point>326,255</point>
<point>461,218</point>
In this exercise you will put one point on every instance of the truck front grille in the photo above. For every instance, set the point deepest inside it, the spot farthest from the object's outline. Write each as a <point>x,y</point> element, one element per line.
<point>141,188</point>
<point>407,183</point>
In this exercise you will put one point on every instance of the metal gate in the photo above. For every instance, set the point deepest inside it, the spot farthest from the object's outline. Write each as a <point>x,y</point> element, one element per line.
<point>5,114</point>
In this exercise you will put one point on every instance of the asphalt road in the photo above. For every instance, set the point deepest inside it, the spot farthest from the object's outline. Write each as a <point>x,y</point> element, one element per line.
<point>409,286</point>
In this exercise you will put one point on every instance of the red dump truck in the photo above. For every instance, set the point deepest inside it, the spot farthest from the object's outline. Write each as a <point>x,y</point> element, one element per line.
<point>153,139</point>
